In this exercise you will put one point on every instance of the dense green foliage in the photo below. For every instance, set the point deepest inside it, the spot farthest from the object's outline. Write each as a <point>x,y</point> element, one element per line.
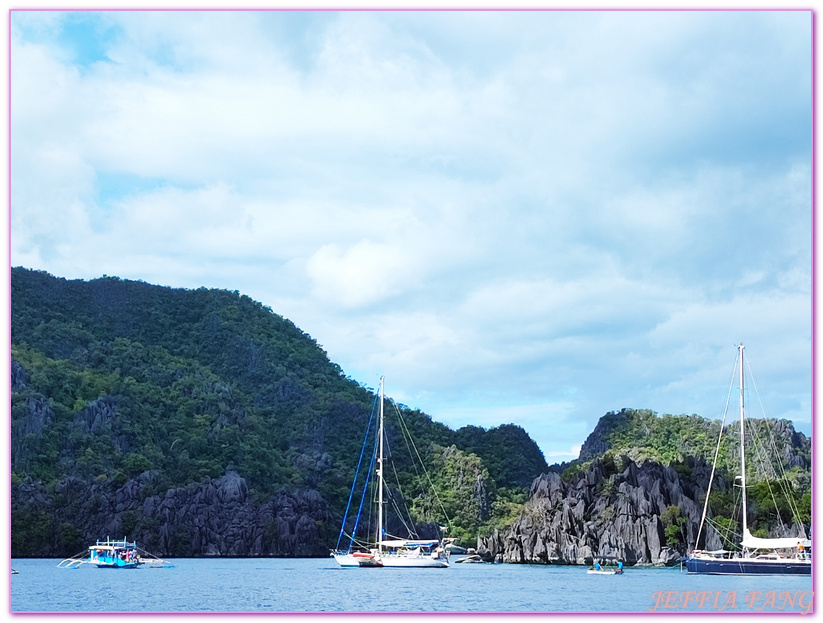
<point>509,454</point>
<point>111,378</point>
<point>777,466</point>
<point>666,438</point>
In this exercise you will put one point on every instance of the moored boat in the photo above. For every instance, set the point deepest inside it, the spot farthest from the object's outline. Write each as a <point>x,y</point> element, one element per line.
<point>724,562</point>
<point>113,554</point>
<point>110,554</point>
<point>384,550</point>
<point>756,555</point>
<point>411,553</point>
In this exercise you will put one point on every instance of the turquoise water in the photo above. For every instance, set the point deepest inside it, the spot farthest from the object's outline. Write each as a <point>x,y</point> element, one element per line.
<point>319,585</point>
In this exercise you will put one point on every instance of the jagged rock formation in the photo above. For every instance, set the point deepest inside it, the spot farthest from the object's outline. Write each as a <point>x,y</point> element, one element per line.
<point>213,518</point>
<point>199,422</point>
<point>604,515</point>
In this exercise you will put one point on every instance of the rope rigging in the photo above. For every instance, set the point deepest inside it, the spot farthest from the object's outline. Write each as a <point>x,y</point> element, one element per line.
<point>407,434</point>
<point>763,448</point>
<point>354,483</point>
<point>399,507</point>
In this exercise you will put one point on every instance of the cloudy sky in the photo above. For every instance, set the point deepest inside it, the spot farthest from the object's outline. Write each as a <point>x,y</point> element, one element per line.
<point>528,217</point>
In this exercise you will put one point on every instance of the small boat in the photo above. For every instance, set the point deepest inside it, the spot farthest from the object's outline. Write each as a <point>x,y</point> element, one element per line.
<point>757,556</point>
<point>14,571</point>
<point>384,551</point>
<point>451,548</point>
<point>474,558</point>
<point>113,554</point>
<point>598,570</point>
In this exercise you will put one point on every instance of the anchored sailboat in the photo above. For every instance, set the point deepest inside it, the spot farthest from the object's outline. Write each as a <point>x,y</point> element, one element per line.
<point>383,551</point>
<point>786,555</point>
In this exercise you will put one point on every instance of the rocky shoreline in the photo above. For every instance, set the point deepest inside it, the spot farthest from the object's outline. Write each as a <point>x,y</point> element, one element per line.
<point>601,514</point>
<point>616,509</point>
<point>214,518</point>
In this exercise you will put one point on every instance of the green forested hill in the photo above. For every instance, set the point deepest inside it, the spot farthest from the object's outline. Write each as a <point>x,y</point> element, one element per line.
<point>137,410</point>
<point>643,434</point>
<point>778,459</point>
<point>114,378</point>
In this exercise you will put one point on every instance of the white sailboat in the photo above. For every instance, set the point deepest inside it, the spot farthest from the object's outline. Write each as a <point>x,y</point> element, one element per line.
<point>785,555</point>
<point>392,552</point>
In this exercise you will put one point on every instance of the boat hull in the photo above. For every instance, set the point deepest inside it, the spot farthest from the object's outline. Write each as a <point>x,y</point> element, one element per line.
<point>747,566</point>
<point>413,561</point>
<point>354,560</point>
<point>125,565</point>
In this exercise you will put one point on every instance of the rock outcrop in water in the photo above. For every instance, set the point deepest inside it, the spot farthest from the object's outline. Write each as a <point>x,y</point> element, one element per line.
<point>214,518</point>
<point>605,514</point>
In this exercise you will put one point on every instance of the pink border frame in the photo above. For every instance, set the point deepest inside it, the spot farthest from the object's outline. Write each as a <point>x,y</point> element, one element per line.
<point>4,367</point>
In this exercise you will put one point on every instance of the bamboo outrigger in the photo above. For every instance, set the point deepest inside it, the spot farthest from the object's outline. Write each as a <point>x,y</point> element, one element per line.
<point>113,554</point>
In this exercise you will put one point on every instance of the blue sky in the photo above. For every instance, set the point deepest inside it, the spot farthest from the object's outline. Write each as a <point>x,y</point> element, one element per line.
<point>532,216</point>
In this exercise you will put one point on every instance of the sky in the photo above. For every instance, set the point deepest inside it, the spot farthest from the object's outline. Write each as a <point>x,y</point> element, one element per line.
<point>528,217</point>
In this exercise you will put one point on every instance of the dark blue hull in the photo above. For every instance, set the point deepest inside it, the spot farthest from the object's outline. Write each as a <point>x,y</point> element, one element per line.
<point>747,566</point>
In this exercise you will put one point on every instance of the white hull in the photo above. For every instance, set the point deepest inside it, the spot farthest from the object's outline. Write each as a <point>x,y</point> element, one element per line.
<point>412,561</point>
<point>346,560</point>
<point>391,552</point>
<point>350,560</point>
<point>390,560</point>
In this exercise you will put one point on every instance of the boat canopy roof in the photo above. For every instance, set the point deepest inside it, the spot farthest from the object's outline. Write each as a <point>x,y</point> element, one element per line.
<point>753,542</point>
<point>407,543</point>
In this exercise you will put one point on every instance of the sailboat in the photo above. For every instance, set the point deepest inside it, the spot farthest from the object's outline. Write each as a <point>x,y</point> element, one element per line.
<point>384,551</point>
<point>786,555</point>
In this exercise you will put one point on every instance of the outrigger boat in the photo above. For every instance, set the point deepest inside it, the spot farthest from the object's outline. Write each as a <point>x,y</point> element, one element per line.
<point>113,554</point>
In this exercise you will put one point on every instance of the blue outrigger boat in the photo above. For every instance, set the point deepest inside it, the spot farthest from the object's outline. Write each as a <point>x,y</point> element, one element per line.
<point>113,554</point>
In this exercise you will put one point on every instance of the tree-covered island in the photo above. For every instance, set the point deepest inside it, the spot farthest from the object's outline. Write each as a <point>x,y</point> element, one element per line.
<point>201,423</point>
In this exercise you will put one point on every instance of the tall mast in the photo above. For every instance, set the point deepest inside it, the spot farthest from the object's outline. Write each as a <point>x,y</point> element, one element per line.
<point>380,477</point>
<point>742,443</point>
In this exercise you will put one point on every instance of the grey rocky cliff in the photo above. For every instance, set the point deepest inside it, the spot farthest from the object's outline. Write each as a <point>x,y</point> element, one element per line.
<point>604,516</point>
<point>597,442</point>
<point>214,518</point>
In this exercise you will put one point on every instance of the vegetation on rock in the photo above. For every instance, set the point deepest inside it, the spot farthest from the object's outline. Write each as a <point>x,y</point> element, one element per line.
<point>112,379</point>
<point>202,423</point>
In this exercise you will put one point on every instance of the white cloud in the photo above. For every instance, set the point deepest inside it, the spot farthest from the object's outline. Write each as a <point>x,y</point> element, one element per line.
<point>362,274</point>
<point>570,212</point>
<point>564,455</point>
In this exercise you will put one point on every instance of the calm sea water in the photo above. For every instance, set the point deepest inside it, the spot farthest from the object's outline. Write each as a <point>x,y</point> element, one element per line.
<point>318,585</point>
